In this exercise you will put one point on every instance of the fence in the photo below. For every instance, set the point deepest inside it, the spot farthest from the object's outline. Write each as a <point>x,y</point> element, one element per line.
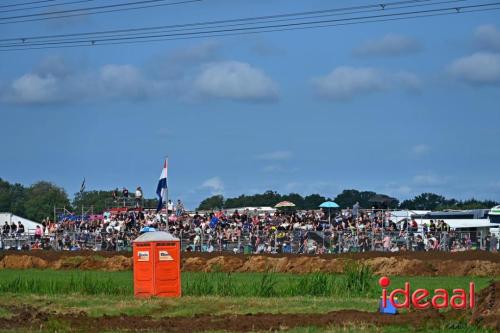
<point>314,242</point>
<point>296,241</point>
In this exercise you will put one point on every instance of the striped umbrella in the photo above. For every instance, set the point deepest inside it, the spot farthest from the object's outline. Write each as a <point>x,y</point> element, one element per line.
<point>284,204</point>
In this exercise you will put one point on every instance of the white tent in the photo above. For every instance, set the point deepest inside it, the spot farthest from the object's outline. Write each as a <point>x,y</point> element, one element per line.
<point>29,226</point>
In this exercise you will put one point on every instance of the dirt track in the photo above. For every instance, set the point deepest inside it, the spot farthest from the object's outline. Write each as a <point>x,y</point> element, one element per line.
<point>486,314</point>
<point>476,263</point>
<point>31,318</point>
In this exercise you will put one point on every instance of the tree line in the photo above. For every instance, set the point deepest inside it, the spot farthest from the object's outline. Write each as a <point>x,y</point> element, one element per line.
<point>346,199</point>
<point>36,202</point>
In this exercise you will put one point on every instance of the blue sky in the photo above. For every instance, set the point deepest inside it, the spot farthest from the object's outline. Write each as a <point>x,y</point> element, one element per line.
<point>397,107</point>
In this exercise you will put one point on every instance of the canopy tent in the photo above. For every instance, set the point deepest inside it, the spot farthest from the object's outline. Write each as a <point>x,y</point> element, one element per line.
<point>29,225</point>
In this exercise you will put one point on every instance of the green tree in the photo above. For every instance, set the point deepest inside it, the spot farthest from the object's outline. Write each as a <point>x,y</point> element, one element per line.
<point>425,201</point>
<point>296,198</point>
<point>41,198</point>
<point>12,197</point>
<point>212,203</point>
<point>98,200</point>
<point>349,197</point>
<point>313,201</point>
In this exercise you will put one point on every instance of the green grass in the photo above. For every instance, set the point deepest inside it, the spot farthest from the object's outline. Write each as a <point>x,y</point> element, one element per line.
<point>355,283</point>
<point>188,306</point>
<point>100,293</point>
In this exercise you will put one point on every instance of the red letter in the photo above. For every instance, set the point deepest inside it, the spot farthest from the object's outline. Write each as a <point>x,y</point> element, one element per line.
<point>471,295</point>
<point>459,295</point>
<point>384,282</point>
<point>440,294</point>
<point>405,292</point>
<point>416,298</point>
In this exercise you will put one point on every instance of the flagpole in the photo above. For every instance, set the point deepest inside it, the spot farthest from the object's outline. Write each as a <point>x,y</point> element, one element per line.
<point>166,199</point>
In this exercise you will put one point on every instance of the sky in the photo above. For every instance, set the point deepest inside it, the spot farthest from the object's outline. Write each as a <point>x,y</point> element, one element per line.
<point>400,107</point>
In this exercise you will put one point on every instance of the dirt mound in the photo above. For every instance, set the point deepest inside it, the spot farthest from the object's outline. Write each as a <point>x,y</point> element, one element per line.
<point>22,262</point>
<point>467,268</point>
<point>193,264</point>
<point>224,264</point>
<point>487,310</point>
<point>397,266</point>
<point>116,263</point>
<point>409,264</point>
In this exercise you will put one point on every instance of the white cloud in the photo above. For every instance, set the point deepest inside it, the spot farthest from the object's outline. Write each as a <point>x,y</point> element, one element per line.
<point>184,74</point>
<point>123,80</point>
<point>235,80</point>
<point>420,150</point>
<point>389,45</point>
<point>53,65</point>
<point>215,184</point>
<point>346,82</point>
<point>53,84</point>
<point>34,89</point>
<point>278,155</point>
<point>480,68</point>
<point>488,37</point>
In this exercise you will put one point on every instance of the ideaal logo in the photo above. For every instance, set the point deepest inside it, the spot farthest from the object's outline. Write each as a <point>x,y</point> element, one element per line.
<point>440,299</point>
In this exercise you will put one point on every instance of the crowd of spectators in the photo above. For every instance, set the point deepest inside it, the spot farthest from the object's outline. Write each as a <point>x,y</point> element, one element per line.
<point>312,232</point>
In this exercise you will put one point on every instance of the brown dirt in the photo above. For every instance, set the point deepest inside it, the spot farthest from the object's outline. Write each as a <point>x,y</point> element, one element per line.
<point>487,310</point>
<point>27,317</point>
<point>474,263</point>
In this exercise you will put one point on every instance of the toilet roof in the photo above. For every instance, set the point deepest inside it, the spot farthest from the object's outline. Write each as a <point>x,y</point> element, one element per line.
<point>155,236</point>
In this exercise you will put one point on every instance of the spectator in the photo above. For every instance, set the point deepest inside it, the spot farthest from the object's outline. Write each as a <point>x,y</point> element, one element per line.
<point>138,196</point>
<point>355,210</point>
<point>386,243</point>
<point>13,228</point>
<point>38,233</point>
<point>179,208</point>
<point>493,243</point>
<point>6,229</point>
<point>20,228</point>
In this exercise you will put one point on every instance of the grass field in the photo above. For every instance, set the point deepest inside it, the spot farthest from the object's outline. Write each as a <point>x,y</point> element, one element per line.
<point>50,282</point>
<point>99,294</point>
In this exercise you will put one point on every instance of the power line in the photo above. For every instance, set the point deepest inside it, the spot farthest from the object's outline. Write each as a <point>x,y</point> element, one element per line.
<point>260,31</point>
<point>93,38</point>
<point>302,15</point>
<point>97,41</point>
<point>45,6</point>
<point>319,24</point>
<point>84,11</point>
<point>26,3</point>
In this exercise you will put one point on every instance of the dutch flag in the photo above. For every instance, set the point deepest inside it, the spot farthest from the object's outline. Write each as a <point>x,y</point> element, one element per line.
<point>161,189</point>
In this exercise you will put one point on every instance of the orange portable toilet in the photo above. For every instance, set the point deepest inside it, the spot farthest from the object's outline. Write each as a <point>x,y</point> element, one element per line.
<point>157,265</point>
